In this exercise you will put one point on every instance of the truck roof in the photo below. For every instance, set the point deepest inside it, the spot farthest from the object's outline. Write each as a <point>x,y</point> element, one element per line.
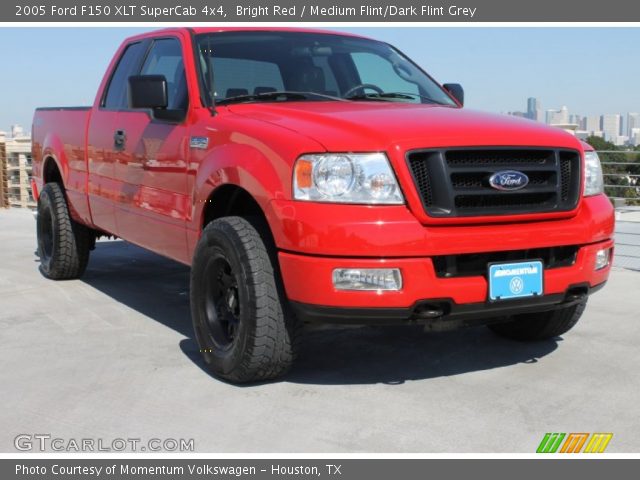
<point>198,30</point>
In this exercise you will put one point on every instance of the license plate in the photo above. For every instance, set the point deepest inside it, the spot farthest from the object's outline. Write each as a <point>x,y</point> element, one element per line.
<point>515,280</point>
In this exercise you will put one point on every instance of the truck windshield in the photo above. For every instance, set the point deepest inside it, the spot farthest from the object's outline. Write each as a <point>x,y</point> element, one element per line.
<point>274,66</point>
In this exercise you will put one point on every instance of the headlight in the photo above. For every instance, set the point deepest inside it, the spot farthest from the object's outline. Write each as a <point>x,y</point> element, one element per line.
<point>346,178</point>
<point>593,180</point>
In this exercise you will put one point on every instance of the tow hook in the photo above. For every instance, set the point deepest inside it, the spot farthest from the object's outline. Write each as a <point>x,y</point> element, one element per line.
<point>428,312</point>
<point>576,295</point>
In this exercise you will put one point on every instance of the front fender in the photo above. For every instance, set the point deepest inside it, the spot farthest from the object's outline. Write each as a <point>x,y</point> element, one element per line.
<point>254,155</point>
<point>265,175</point>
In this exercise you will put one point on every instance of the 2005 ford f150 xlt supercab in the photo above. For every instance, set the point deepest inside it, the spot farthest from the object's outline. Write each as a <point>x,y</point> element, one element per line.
<point>313,176</point>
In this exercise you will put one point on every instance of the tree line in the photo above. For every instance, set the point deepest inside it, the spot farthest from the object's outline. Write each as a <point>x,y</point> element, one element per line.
<point>619,164</point>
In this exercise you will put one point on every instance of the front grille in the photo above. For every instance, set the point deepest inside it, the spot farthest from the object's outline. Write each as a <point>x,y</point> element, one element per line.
<point>455,183</point>
<point>520,200</point>
<point>476,264</point>
<point>478,179</point>
<point>567,167</point>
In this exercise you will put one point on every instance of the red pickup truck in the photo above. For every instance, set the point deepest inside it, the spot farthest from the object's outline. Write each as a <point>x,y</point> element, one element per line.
<point>306,176</point>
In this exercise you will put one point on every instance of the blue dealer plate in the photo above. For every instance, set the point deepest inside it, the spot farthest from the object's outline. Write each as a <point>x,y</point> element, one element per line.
<point>515,280</point>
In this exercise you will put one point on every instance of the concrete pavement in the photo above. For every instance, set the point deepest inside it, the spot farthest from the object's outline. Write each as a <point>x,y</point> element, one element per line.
<point>112,356</point>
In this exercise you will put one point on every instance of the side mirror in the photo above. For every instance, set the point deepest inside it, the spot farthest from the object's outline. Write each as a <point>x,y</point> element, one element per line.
<point>456,91</point>
<point>148,91</point>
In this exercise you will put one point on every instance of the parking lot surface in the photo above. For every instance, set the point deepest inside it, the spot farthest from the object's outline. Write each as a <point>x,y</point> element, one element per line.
<point>112,356</point>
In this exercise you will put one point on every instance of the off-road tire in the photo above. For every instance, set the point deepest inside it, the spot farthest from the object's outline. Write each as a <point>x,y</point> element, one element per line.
<point>63,244</point>
<point>540,326</point>
<point>262,343</point>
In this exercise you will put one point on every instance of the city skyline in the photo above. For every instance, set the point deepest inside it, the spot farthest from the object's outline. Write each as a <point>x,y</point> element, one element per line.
<point>590,70</point>
<point>618,128</point>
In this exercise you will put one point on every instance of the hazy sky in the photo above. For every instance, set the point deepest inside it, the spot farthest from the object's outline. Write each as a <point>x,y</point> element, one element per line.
<point>590,70</point>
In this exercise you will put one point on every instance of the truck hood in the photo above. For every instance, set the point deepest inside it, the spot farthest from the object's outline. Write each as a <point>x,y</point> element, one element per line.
<point>367,126</point>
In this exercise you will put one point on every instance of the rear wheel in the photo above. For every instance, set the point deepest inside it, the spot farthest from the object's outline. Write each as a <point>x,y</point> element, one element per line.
<point>540,326</point>
<point>240,316</point>
<point>63,244</point>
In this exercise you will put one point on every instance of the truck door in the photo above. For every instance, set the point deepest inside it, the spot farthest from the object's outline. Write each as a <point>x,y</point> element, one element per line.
<point>151,164</point>
<point>103,189</point>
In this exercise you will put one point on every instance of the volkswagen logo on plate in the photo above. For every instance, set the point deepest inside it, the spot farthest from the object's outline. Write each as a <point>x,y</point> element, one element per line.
<point>508,180</point>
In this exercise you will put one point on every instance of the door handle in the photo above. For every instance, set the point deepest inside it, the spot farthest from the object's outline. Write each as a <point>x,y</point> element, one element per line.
<point>119,139</point>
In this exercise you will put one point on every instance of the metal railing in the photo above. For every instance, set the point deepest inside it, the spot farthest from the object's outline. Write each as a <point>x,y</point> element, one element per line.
<point>621,171</point>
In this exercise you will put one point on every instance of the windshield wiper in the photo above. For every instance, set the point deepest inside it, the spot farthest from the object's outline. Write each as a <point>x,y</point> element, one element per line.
<point>407,95</point>
<point>374,97</point>
<point>278,96</point>
<point>385,96</point>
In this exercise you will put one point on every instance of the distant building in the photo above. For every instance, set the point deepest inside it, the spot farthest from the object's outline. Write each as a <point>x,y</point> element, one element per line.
<point>582,134</point>
<point>611,126</point>
<point>567,127</point>
<point>620,140</point>
<point>558,117</point>
<point>15,169</point>
<point>592,124</point>
<point>633,121</point>
<point>534,109</point>
<point>634,136</point>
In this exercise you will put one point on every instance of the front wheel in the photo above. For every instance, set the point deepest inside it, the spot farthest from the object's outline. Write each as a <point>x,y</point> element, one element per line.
<point>540,326</point>
<point>240,316</point>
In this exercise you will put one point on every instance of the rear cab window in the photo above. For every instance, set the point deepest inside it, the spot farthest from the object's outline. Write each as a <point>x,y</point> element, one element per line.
<point>241,76</point>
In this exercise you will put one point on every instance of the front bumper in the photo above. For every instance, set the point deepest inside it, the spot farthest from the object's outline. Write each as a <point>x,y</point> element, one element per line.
<point>308,279</point>
<point>386,231</point>
<point>443,314</point>
<point>314,239</point>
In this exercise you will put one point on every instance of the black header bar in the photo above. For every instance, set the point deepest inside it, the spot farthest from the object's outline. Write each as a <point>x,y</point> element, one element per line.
<point>296,11</point>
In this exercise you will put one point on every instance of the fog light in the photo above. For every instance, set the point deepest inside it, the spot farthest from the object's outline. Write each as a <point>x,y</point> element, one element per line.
<point>602,258</point>
<point>367,279</point>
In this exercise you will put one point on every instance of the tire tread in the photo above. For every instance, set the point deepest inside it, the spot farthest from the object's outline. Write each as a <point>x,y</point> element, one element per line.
<point>540,326</point>
<point>271,345</point>
<point>72,241</point>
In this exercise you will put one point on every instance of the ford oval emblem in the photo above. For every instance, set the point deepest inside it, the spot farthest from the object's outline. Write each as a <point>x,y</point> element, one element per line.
<point>508,180</point>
